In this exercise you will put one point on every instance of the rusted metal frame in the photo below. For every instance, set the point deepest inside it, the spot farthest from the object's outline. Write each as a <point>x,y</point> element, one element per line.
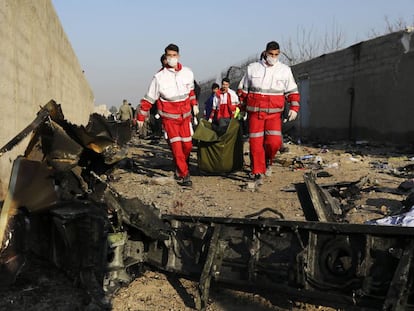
<point>209,269</point>
<point>254,251</point>
<point>311,225</point>
<point>252,265</point>
<point>402,282</point>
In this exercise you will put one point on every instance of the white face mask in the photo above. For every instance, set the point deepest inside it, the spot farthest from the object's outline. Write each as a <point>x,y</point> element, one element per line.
<point>172,61</point>
<point>271,60</point>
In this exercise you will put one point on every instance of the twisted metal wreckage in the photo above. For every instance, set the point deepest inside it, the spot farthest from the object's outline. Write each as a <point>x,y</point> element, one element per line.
<point>84,227</point>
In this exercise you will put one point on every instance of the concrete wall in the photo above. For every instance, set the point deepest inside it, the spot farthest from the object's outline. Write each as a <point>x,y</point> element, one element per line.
<point>37,64</point>
<point>364,92</point>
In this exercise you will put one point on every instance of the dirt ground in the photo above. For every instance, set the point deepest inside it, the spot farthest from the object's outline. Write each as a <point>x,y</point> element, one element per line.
<point>149,176</point>
<point>147,173</point>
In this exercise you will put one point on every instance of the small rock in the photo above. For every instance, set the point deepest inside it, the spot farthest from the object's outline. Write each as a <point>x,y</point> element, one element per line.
<point>161,181</point>
<point>251,185</point>
<point>384,210</point>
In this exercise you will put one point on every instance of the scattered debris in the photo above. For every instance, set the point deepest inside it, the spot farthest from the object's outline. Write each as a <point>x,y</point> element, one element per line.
<point>100,238</point>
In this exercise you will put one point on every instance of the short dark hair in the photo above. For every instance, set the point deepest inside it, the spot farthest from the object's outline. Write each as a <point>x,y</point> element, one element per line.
<point>214,86</point>
<point>172,47</point>
<point>272,45</point>
<point>225,80</point>
<point>162,59</point>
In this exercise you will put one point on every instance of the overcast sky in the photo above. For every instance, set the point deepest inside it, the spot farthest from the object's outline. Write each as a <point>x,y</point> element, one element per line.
<point>119,42</point>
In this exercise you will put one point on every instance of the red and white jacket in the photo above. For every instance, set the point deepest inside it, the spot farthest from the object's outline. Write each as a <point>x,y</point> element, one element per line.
<point>173,91</point>
<point>224,104</point>
<point>265,88</point>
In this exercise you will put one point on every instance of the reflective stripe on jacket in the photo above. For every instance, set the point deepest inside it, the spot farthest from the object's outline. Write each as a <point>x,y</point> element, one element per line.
<point>265,88</point>
<point>174,90</point>
<point>225,104</point>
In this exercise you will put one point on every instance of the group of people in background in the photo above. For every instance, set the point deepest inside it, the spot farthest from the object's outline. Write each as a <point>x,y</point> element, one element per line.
<point>261,96</point>
<point>224,104</point>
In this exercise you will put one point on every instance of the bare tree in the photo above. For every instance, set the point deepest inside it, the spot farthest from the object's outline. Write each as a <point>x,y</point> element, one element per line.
<point>309,44</point>
<point>333,40</point>
<point>391,26</point>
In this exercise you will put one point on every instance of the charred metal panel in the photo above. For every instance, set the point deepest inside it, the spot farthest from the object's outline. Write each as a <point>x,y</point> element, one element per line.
<point>326,207</point>
<point>12,256</point>
<point>66,221</point>
<point>324,263</point>
<point>119,132</point>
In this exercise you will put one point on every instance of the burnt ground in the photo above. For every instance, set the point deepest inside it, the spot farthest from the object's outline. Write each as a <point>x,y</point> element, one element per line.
<point>147,173</point>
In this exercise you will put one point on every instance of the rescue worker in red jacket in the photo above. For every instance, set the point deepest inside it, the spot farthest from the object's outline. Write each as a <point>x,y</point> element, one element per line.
<point>173,88</point>
<point>225,103</point>
<point>265,87</point>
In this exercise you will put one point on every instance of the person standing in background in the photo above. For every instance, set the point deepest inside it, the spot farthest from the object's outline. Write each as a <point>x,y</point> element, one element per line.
<point>208,105</point>
<point>125,111</point>
<point>224,106</point>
